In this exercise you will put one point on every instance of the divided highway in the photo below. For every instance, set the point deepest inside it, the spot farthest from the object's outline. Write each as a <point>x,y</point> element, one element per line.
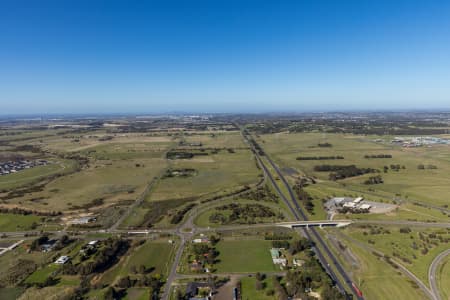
<point>300,215</point>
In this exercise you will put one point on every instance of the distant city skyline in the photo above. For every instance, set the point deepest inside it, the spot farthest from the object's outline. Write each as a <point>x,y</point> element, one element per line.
<point>81,57</point>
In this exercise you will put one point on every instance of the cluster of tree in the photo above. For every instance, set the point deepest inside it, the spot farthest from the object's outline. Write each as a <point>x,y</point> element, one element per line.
<point>240,213</point>
<point>405,230</point>
<point>353,210</point>
<point>154,282</point>
<point>304,197</point>
<point>179,155</point>
<point>374,230</point>
<point>280,244</point>
<point>27,148</point>
<point>93,203</point>
<point>324,145</point>
<point>279,290</point>
<point>378,156</point>
<point>277,236</point>
<point>205,253</point>
<point>260,284</point>
<point>293,247</point>
<point>18,270</point>
<point>37,243</point>
<point>319,157</point>
<point>343,171</point>
<point>299,245</point>
<point>423,167</point>
<point>186,172</point>
<point>25,212</point>
<point>262,193</point>
<point>374,180</point>
<point>106,256</point>
<point>179,215</point>
<point>310,276</point>
<point>393,167</point>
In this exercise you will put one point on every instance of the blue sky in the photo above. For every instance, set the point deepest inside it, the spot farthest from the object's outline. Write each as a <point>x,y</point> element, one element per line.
<point>223,56</point>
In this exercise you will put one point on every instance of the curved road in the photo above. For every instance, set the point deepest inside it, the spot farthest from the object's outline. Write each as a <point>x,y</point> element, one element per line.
<point>432,273</point>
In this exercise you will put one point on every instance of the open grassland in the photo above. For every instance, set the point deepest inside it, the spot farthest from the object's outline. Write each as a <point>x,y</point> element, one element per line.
<point>232,139</point>
<point>429,185</point>
<point>378,280</point>
<point>94,139</point>
<point>115,172</point>
<point>414,249</point>
<point>249,291</point>
<point>443,278</point>
<point>215,173</point>
<point>244,256</point>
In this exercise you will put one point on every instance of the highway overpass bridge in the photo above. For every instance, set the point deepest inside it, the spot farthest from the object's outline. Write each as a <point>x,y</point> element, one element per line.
<point>307,224</point>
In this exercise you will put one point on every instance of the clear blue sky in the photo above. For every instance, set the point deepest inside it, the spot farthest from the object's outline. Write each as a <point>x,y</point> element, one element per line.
<point>223,56</point>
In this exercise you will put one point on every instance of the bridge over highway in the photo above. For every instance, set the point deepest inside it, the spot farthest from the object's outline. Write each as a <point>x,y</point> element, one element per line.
<point>323,223</point>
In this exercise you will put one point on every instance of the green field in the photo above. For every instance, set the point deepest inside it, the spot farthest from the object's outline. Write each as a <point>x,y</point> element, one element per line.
<point>215,173</point>
<point>41,275</point>
<point>13,222</point>
<point>378,280</point>
<point>429,186</point>
<point>244,256</point>
<point>406,248</point>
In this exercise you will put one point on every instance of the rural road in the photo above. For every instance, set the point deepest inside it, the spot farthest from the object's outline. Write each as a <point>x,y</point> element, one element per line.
<point>432,273</point>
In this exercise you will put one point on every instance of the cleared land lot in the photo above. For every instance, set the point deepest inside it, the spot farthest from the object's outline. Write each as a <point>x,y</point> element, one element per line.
<point>429,185</point>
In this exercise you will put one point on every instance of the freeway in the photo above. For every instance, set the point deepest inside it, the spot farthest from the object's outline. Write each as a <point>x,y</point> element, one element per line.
<point>432,273</point>
<point>299,214</point>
